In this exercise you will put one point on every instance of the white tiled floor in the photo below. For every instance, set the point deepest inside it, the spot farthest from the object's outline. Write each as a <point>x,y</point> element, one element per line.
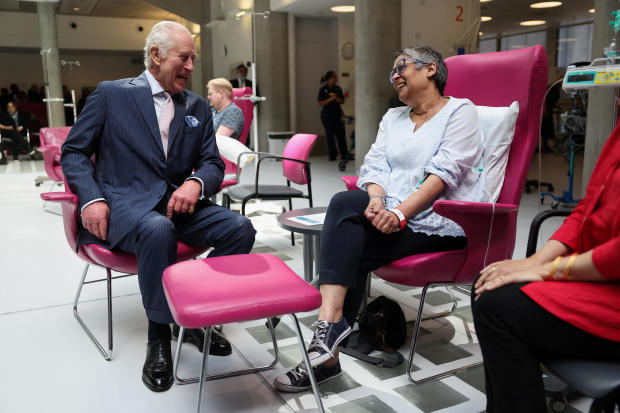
<point>50,366</point>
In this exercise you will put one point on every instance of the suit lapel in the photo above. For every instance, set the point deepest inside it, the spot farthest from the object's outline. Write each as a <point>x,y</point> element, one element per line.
<point>179,114</point>
<point>143,96</point>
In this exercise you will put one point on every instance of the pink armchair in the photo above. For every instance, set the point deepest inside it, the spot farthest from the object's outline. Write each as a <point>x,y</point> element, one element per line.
<point>490,79</point>
<point>93,254</point>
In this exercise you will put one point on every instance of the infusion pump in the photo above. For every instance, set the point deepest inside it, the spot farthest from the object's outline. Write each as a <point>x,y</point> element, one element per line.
<point>598,74</point>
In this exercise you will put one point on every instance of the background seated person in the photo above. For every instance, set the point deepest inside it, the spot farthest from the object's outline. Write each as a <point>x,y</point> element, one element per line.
<point>424,151</point>
<point>227,117</point>
<point>242,77</point>
<point>575,312</point>
<point>14,126</point>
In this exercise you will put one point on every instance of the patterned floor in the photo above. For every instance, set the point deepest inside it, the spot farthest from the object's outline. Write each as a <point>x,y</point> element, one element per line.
<point>444,343</point>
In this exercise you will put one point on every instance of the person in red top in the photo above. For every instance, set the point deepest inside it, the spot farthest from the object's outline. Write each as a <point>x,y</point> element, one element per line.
<point>564,300</point>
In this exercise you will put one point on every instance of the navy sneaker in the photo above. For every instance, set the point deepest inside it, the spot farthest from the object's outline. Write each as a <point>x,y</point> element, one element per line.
<point>298,379</point>
<point>326,338</point>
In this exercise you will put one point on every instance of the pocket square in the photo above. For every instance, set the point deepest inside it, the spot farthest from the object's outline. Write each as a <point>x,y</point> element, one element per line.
<point>191,121</point>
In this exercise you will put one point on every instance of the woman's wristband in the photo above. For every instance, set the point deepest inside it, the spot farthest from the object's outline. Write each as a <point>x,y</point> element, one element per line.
<point>401,218</point>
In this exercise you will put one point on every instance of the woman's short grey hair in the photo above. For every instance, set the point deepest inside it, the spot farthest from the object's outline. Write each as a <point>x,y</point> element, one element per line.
<point>428,55</point>
<point>160,37</point>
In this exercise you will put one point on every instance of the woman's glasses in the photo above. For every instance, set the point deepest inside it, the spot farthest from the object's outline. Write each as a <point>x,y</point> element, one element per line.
<point>401,65</point>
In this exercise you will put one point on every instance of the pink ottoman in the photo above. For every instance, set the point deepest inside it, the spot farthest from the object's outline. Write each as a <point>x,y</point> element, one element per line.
<point>220,290</point>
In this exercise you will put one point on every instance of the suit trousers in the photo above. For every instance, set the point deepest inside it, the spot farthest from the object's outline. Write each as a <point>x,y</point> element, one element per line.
<point>16,140</point>
<point>351,247</point>
<point>154,242</point>
<point>516,335</point>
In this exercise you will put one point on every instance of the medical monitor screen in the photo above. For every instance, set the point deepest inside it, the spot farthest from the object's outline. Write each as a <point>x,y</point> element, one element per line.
<point>580,77</point>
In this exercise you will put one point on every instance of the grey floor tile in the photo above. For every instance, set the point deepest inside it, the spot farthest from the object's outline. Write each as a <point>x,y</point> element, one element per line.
<point>340,384</point>
<point>368,404</point>
<point>262,249</point>
<point>441,351</point>
<point>474,377</point>
<point>262,335</point>
<point>400,287</point>
<point>431,396</point>
<point>308,321</point>
<point>464,313</point>
<point>385,373</point>
<point>283,257</point>
<point>436,298</point>
<point>410,325</point>
<point>290,356</point>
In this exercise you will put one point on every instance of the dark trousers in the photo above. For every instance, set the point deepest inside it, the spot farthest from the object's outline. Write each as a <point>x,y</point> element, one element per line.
<point>154,242</point>
<point>515,335</point>
<point>15,140</point>
<point>334,127</point>
<point>351,247</point>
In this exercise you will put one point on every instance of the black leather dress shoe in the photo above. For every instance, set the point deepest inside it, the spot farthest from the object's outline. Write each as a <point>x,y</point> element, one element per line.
<point>157,370</point>
<point>219,346</point>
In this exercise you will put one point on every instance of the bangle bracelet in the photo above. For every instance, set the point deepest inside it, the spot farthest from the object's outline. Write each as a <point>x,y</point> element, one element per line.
<point>568,266</point>
<point>382,197</point>
<point>554,267</point>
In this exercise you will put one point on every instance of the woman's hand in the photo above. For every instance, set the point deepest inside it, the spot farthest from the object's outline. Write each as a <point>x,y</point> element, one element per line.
<point>502,268</point>
<point>374,206</point>
<point>386,221</point>
<point>536,273</point>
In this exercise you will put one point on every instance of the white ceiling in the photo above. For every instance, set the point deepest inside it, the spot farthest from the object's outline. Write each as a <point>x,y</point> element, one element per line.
<point>506,13</point>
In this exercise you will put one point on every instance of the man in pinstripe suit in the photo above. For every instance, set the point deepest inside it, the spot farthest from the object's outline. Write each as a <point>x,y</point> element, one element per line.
<point>148,134</point>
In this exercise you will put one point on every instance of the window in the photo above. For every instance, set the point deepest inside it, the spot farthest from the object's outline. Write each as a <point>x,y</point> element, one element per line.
<point>574,44</point>
<point>519,41</point>
<point>488,45</point>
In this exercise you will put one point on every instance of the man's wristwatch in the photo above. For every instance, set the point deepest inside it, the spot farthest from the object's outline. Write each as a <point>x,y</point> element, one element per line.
<point>401,218</point>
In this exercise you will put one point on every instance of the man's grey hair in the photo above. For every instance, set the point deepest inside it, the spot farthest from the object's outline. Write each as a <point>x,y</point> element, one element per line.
<point>428,55</point>
<point>160,37</point>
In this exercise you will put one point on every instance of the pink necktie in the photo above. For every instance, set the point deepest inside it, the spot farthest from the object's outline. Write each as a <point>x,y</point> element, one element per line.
<point>165,118</point>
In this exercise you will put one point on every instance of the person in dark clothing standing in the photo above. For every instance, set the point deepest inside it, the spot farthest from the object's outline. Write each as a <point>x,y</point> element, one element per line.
<point>330,99</point>
<point>14,127</point>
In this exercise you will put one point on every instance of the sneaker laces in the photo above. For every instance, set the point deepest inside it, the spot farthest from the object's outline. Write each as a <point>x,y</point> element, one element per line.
<point>320,331</point>
<point>299,372</point>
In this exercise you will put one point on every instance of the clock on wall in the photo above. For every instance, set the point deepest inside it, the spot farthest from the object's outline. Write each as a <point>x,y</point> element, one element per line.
<point>347,51</point>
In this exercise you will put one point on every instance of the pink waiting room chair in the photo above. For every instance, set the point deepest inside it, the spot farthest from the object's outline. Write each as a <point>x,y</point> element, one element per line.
<point>295,168</point>
<point>111,260</point>
<point>488,79</point>
<point>51,141</point>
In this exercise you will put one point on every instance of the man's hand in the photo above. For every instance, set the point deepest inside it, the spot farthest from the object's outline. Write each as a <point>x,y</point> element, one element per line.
<point>184,199</point>
<point>20,128</point>
<point>95,219</point>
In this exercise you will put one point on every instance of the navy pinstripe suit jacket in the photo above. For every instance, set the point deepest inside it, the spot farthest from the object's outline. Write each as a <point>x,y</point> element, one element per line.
<point>119,126</point>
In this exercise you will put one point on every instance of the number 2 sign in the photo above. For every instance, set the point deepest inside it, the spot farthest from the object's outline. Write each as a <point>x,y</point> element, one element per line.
<point>459,17</point>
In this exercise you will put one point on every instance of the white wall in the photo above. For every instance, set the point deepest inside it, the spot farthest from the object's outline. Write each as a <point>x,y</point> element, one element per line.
<point>434,23</point>
<point>316,43</point>
<point>102,33</point>
<point>232,39</point>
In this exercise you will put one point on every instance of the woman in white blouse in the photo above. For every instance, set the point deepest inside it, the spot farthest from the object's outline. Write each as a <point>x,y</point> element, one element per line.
<point>428,150</point>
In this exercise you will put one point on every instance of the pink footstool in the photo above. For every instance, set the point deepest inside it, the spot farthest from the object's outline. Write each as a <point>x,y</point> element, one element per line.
<point>221,290</point>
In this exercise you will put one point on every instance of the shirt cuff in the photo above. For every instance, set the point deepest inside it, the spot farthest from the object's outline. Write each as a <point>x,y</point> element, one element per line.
<point>202,187</point>
<point>91,202</point>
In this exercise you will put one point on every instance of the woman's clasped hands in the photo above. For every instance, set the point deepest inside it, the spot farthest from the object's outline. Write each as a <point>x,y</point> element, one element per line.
<point>507,272</point>
<point>380,218</point>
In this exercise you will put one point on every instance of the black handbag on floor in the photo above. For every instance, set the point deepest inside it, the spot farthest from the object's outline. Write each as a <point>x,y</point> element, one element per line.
<point>382,326</point>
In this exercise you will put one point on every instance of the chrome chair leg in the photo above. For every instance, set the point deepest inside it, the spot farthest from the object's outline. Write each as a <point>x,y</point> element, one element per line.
<point>444,313</point>
<point>177,359</point>
<point>414,339</point>
<point>313,383</point>
<point>106,354</point>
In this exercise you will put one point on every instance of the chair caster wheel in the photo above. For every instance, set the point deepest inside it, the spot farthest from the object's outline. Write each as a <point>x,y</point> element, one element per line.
<point>342,165</point>
<point>557,405</point>
<point>555,204</point>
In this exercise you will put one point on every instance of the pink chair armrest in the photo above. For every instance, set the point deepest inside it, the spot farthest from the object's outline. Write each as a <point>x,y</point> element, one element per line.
<point>350,182</point>
<point>64,198</point>
<point>490,231</point>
